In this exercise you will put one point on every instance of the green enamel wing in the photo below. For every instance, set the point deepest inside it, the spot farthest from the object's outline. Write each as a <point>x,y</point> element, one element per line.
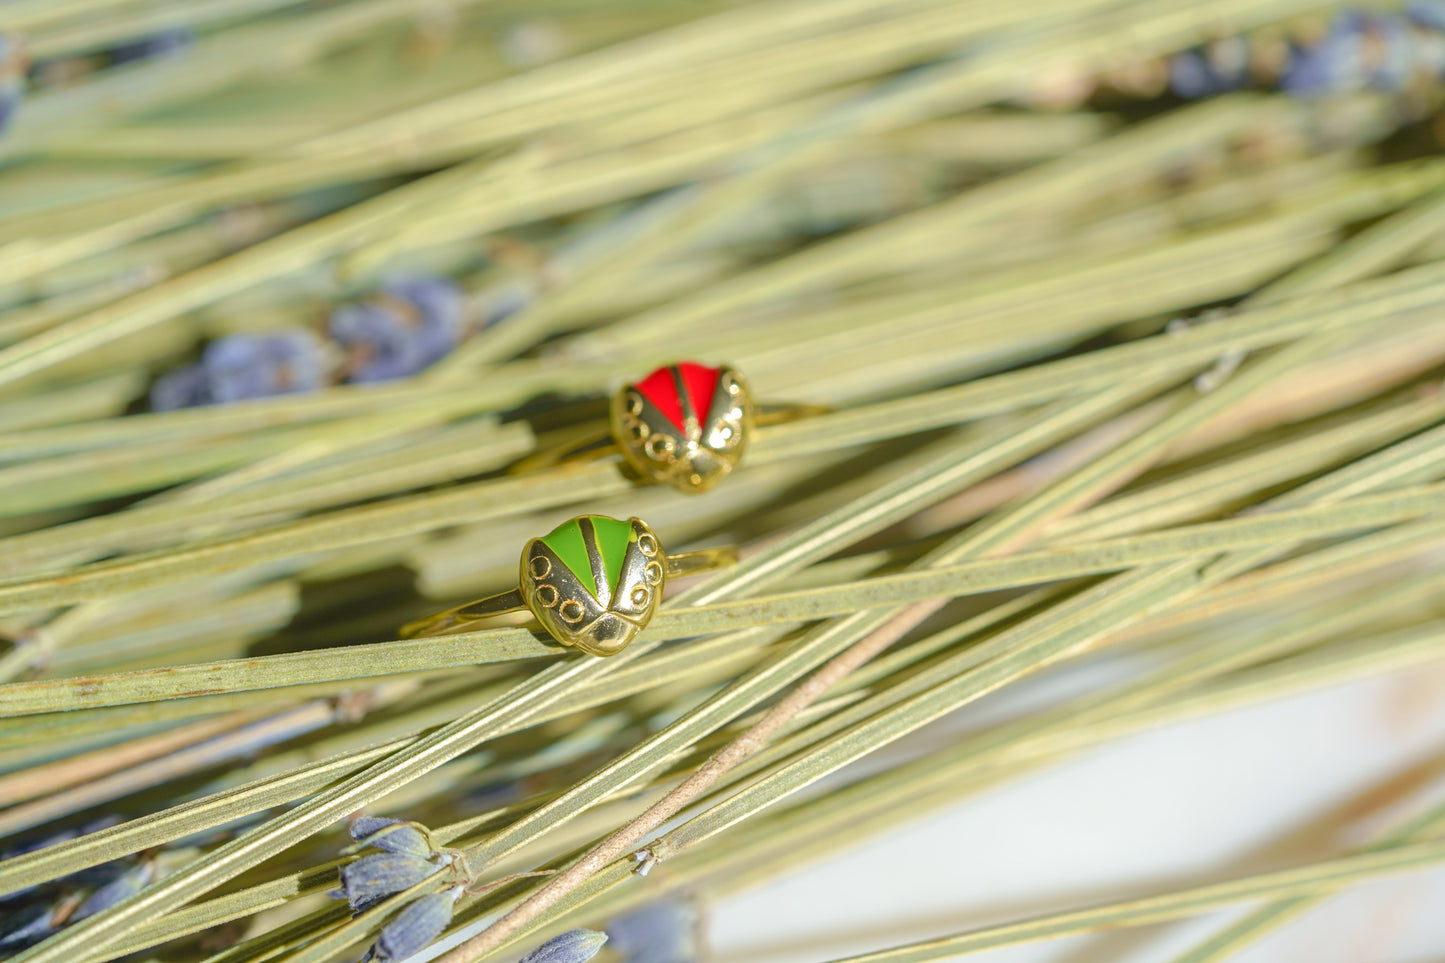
<point>594,581</point>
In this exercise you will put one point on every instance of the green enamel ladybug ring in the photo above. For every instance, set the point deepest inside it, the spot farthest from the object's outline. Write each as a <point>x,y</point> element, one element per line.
<point>593,582</point>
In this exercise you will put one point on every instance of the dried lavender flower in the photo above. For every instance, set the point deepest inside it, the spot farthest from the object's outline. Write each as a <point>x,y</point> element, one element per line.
<point>392,836</point>
<point>420,922</point>
<point>660,932</point>
<point>239,367</point>
<point>26,926</point>
<point>1339,63</point>
<point>14,63</point>
<point>163,43</point>
<point>406,328</point>
<point>243,366</point>
<point>1429,14</point>
<point>573,946</point>
<point>188,387</point>
<point>371,879</point>
<point>126,883</point>
<point>1191,76</point>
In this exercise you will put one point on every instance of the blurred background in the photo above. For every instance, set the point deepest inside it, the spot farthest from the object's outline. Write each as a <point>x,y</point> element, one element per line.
<point>1089,604</point>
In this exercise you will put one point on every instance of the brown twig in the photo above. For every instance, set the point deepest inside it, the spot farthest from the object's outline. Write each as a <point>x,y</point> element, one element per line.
<point>750,741</point>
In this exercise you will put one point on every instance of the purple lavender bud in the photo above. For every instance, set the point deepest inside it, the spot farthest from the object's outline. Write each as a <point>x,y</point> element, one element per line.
<point>131,880</point>
<point>409,326</point>
<point>26,926</point>
<point>392,836</point>
<point>39,842</point>
<point>440,302</point>
<point>98,877</point>
<point>573,946</point>
<point>371,879</point>
<point>1189,75</point>
<point>377,339</point>
<point>1393,58</point>
<point>661,932</point>
<point>14,62</point>
<point>1429,14</point>
<point>1334,65</point>
<point>244,366</point>
<point>163,43</point>
<point>411,930</point>
<point>188,387</point>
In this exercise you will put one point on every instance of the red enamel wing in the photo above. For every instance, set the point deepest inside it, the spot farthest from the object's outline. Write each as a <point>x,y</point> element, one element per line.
<point>684,425</point>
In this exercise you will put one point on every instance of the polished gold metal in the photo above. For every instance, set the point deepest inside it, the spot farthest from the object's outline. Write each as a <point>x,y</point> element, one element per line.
<point>685,425</point>
<point>593,583</point>
<point>704,448</point>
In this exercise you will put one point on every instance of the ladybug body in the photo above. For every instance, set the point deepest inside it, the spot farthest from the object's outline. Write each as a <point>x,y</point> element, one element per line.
<point>684,425</point>
<point>594,582</point>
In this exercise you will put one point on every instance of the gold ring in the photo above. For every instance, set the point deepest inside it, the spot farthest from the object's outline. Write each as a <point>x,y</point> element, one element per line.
<point>593,582</point>
<point>685,425</point>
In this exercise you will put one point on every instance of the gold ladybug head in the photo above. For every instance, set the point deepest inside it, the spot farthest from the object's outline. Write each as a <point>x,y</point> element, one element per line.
<point>684,425</point>
<point>594,582</point>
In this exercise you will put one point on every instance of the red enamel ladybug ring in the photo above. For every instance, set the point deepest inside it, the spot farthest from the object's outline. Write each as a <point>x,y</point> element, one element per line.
<point>685,425</point>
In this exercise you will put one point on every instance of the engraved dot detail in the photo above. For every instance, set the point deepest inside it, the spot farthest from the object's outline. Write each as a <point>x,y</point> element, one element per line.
<point>547,595</point>
<point>540,566</point>
<point>647,545</point>
<point>572,611</point>
<point>639,595</point>
<point>653,573</point>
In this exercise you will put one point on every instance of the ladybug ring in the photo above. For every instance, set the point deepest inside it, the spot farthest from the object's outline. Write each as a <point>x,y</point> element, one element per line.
<point>592,582</point>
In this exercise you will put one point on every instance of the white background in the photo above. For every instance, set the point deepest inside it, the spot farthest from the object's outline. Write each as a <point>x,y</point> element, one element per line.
<point>1249,790</point>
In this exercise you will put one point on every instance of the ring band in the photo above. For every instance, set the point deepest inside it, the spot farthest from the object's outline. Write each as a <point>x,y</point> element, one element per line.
<point>593,582</point>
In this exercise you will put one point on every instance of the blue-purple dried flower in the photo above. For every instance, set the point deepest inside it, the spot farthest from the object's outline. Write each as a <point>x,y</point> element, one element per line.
<point>662,932</point>
<point>14,64</point>
<point>373,878</point>
<point>244,366</point>
<point>240,367</point>
<point>404,329</point>
<point>1219,67</point>
<point>574,946</point>
<point>1360,50</point>
<point>26,926</point>
<point>1429,14</point>
<point>421,921</point>
<point>1339,62</point>
<point>188,387</point>
<point>163,43</point>
<point>126,881</point>
<point>393,836</point>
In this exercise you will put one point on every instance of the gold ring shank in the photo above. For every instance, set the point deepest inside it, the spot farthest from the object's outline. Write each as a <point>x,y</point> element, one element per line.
<point>586,445</point>
<point>589,443</point>
<point>462,614</point>
<point>687,563</point>
<point>783,413</point>
<point>691,563</point>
